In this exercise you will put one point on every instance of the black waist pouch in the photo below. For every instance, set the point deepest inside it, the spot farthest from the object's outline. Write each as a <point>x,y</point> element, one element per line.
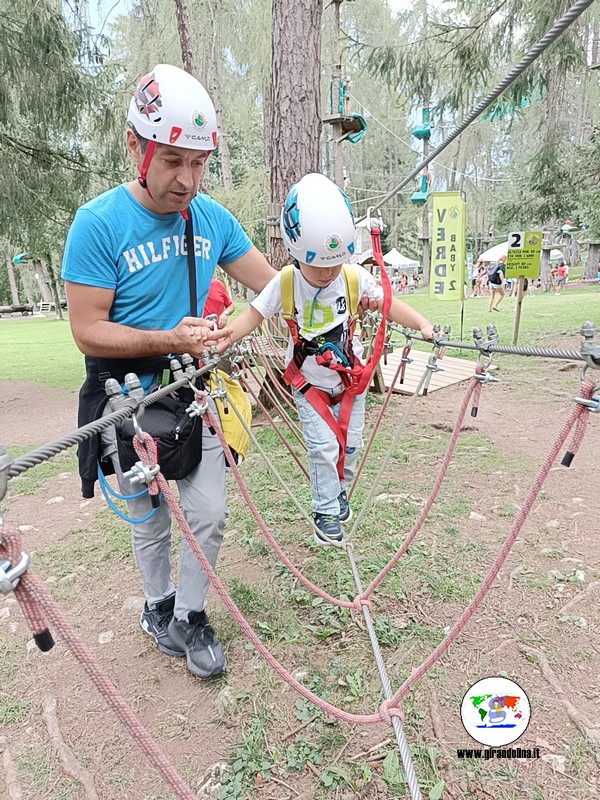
<point>178,437</point>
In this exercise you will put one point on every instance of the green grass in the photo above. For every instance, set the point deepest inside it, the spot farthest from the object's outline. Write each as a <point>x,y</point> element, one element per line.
<point>42,350</point>
<point>541,317</point>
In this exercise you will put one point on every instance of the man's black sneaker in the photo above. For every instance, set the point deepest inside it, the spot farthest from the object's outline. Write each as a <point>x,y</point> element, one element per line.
<point>203,651</point>
<point>155,622</point>
<point>329,529</point>
<point>345,510</point>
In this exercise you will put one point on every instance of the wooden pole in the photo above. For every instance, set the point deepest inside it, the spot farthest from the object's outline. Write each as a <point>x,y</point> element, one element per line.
<point>336,79</point>
<point>520,295</point>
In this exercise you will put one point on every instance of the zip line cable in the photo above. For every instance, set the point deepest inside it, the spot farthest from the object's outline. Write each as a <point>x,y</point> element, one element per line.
<point>559,27</point>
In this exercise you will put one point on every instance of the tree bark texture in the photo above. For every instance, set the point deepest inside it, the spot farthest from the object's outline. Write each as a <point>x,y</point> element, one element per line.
<point>55,288</point>
<point>294,128</point>
<point>183,27</point>
<point>223,151</point>
<point>14,295</point>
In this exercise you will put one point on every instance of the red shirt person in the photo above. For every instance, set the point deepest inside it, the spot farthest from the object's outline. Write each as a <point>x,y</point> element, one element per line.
<point>218,302</point>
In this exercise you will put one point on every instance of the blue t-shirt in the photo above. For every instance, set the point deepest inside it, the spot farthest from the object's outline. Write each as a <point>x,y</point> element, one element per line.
<point>115,243</point>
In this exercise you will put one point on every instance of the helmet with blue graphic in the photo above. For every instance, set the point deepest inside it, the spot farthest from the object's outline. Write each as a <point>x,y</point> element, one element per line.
<point>169,106</point>
<point>317,224</point>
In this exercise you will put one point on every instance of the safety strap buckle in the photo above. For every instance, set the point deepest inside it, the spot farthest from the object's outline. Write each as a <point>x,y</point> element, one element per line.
<point>9,575</point>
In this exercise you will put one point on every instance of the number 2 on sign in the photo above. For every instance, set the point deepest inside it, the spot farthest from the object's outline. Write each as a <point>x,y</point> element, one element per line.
<point>515,240</point>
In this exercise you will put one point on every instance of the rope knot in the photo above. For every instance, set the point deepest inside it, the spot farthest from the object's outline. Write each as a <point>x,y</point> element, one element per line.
<point>388,710</point>
<point>362,600</point>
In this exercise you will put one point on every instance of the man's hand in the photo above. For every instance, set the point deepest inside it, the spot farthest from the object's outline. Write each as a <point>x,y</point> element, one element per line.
<point>193,335</point>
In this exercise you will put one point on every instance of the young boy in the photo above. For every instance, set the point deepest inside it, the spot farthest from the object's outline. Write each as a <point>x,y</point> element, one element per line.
<point>317,227</point>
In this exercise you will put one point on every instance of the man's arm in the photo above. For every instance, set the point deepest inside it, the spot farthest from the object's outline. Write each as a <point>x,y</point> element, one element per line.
<point>94,335</point>
<point>252,270</point>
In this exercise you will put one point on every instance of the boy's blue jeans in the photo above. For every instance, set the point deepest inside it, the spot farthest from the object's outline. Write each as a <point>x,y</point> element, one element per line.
<point>323,451</point>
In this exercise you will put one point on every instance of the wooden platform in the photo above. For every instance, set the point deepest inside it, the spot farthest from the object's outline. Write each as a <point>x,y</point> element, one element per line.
<point>455,370</point>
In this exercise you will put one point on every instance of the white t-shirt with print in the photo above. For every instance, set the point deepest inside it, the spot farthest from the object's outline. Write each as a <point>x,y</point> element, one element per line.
<point>318,310</point>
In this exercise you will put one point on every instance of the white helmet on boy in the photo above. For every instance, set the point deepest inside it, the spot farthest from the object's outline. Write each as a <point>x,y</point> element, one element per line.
<point>169,106</point>
<point>317,224</point>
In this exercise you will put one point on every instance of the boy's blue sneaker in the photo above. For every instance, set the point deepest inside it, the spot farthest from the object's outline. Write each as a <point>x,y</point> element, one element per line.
<point>345,510</point>
<point>329,529</point>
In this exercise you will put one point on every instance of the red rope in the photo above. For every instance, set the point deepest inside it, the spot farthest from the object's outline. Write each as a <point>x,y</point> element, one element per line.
<point>433,495</point>
<point>147,452</point>
<point>579,417</point>
<point>38,605</point>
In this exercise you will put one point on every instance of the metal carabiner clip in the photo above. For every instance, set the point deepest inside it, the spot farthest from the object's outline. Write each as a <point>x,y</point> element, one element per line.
<point>378,222</point>
<point>137,428</point>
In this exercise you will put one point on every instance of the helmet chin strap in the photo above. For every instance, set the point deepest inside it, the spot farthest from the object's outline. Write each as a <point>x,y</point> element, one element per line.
<point>143,171</point>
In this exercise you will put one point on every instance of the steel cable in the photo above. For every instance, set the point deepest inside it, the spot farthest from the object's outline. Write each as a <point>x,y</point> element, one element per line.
<point>559,27</point>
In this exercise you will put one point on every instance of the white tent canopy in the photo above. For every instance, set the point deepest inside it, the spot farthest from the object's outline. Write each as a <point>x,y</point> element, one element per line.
<point>494,253</point>
<point>396,259</point>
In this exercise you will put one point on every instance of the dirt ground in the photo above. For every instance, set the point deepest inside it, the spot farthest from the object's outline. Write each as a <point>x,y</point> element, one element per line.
<point>546,597</point>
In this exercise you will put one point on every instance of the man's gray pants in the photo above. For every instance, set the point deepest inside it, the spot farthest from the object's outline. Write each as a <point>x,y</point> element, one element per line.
<point>203,498</point>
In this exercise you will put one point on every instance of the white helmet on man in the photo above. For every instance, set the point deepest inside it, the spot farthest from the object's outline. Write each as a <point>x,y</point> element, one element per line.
<point>316,223</point>
<point>169,106</point>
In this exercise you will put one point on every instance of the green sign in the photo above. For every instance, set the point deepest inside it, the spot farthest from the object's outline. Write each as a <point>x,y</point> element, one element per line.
<point>524,249</point>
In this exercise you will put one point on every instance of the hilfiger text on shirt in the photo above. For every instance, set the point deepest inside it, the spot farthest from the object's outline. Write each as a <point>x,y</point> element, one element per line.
<point>142,255</point>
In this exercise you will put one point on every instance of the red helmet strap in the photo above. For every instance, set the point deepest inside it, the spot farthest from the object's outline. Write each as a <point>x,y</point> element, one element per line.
<point>150,149</point>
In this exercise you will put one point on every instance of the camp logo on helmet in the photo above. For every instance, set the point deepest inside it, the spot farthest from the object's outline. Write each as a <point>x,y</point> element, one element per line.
<point>199,120</point>
<point>333,241</point>
<point>147,98</point>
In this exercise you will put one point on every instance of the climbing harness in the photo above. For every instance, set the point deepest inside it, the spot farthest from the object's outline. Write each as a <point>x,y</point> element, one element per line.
<point>355,377</point>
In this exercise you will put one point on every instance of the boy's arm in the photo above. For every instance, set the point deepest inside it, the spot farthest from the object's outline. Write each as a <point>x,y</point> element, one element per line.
<point>241,326</point>
<point>407,316</point>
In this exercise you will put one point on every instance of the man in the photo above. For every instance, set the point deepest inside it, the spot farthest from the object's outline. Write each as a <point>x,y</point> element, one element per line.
<point>127,280</point>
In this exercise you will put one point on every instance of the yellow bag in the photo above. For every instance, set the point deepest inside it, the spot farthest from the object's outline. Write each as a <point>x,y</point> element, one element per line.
<point>233,430</point>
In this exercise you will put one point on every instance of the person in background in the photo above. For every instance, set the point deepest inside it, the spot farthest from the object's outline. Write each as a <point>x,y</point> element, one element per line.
<point>561,276</point>
<point>218,303</point>
<point>496,275</point>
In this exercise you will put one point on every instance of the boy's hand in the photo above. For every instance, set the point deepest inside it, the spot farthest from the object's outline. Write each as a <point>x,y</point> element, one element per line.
<point>222,321</point>
<point>367,303</point>
<point>427,331</point>
<point>221,339</point>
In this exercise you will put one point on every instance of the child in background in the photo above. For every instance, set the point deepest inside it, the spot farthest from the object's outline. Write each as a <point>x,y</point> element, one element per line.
<point>317,227</point>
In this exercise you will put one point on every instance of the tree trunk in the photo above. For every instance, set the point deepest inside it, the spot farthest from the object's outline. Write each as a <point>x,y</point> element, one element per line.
<point>591,265</point>
<point>183,27</point>
<point>545,282</point>
<point>55,288</point>
<point>43,282</point>
<point>224,157</point>
<point>14,295</point>
<point>295,103</point>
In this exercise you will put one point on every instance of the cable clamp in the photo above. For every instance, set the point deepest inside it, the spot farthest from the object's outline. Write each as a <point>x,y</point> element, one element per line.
<point>9,575</point>
<point>591,403</point>
<point>142,473</point>
<point>485,377</point>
